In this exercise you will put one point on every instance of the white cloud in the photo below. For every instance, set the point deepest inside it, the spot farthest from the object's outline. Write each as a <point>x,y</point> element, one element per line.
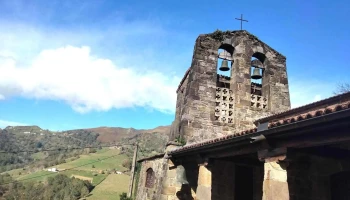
<point>40,62</point>
<point>4,123</point>
<point>86,82</point>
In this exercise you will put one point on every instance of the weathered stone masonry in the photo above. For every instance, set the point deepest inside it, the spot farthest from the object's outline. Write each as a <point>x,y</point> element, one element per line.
<point>233,150</point>
<point>205,112</point>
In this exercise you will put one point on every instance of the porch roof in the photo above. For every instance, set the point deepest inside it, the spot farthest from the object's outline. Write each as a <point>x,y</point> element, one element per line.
<point>334,108</point>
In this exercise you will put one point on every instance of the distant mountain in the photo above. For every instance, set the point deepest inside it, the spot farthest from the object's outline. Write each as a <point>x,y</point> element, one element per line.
<point>116,134</point>
<point>34,139</point>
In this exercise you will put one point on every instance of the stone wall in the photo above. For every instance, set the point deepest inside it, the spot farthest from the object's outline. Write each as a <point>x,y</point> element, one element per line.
<point>159,167</point>
<point>180,101</point>
<point>196,116</point>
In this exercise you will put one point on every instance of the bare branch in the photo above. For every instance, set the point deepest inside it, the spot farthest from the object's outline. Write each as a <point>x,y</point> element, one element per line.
<point>342,88</point>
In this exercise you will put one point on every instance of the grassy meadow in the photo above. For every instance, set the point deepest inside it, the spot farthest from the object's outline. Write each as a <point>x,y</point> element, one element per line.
<point>101,160</point>
<point>110,188</point>
<point>86,167</point>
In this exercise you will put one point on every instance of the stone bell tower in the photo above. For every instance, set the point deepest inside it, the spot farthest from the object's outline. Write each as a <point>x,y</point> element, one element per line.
<point>211,104</point>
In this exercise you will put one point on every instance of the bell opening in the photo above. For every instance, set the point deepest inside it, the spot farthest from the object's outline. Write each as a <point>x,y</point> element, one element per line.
<point>224,63</point>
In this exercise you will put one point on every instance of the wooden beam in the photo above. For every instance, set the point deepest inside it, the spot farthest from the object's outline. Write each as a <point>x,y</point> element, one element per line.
<point>250,161</point>
<point>324,151</point>
<point>235,151</point>
<point>268,153</point>
<point>313,140</point>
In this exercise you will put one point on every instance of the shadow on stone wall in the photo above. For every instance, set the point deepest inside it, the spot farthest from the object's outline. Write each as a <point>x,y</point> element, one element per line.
<point>185,193</point>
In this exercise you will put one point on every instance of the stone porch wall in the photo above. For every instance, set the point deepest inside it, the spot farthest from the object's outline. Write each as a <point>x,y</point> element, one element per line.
<point>159,167</point>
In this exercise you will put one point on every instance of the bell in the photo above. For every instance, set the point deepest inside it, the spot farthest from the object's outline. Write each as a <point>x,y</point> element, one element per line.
<point>181,175</point>
<point>256,74</point>
<point>224,66</point>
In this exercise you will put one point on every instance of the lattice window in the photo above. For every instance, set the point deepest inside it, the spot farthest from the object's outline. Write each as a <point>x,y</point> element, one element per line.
<point>150,178</point>
<point>257,101</point>
<point>224,105</point>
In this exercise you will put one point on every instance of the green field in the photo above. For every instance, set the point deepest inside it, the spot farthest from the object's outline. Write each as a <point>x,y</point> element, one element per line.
<point>36,176</point>
<point>38,156</point>
<point>43,175</point>
<point>111,187</point>
<point>102,160</point>
<point>108,186</point>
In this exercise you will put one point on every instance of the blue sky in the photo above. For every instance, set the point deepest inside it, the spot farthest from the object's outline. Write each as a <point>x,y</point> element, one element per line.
<point>67,64</point>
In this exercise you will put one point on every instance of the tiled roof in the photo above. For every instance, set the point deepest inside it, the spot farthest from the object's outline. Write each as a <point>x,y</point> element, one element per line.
<point>216,140</point>
<point>288,120</point>
<point>305,107</point>
<point>160,155</point>
<point>311,114</point>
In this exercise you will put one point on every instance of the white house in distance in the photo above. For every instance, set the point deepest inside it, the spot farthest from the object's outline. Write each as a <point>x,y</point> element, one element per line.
<point>52,169</point>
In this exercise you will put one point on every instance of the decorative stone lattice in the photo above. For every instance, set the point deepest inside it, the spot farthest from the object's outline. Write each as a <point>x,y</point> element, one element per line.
<point>258,102</point>
<point>224,105</point>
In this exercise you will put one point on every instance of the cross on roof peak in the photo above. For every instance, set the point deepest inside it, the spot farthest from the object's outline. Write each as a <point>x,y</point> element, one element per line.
<point>242,20</point>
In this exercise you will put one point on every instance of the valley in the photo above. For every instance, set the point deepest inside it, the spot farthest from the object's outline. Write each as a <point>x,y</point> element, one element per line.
<point>33,156</point>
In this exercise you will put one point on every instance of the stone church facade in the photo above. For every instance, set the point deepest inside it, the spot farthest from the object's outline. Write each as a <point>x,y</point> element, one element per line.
<point>243,141</point>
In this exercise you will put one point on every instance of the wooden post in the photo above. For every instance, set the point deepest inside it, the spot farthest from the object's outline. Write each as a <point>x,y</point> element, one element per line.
<point>131,184</point>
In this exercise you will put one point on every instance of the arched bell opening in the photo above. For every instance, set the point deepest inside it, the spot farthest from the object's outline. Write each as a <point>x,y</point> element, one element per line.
<point>224,97</point>
<point>224,65</point>
<point>256,76</point>
<point>257,69</point>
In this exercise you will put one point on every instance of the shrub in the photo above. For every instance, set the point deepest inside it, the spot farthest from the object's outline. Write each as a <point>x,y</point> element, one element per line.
<point>127,164</point>
<point>123,196</point>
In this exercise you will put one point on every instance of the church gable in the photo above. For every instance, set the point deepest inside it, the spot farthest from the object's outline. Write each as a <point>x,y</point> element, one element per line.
<point>234,79</point>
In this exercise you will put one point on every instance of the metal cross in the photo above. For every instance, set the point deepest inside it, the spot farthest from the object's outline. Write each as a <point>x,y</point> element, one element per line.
<point>241,19</point>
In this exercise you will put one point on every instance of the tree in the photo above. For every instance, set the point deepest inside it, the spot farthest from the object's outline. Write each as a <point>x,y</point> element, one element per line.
<point>39,145</point>
<point>342,88</point>
<point>123,196</point>
<point>127,164</point>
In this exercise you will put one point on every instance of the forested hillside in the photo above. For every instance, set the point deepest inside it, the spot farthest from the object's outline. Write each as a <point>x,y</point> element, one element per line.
<point>32,146</point>
<point>27,151</point>
<point>57,187</point>
<point>22,146</point>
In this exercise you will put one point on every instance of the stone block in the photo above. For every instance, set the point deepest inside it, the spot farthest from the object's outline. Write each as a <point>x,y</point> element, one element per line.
<point>168,190</point>
<point>273,190</point>
<point>163,197</point>
<point>168,182</point>
<point>203,193</point>
<point>274,171</point>
<point>204,176</point>
<point>171,173</point>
